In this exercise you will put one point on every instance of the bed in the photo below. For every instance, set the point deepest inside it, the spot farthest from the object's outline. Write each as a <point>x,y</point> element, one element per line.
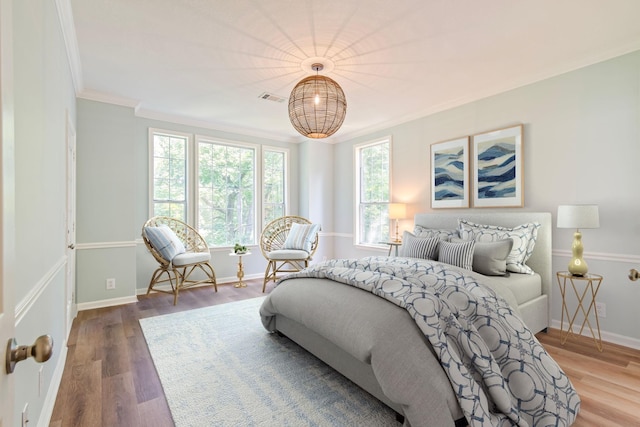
<point>382,346</point>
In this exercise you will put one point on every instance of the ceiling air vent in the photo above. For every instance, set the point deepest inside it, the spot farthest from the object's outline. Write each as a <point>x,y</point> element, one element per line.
<point>271,97</point>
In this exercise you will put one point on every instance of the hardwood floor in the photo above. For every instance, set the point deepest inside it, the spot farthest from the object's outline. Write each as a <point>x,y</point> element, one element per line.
<point>109,377</point>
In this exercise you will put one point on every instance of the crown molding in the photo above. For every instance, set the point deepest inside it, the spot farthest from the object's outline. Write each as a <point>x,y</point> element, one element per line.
<point>65,16</point>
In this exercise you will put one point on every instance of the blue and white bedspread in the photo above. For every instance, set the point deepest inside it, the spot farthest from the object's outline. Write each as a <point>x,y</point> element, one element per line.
<point>500,373</point>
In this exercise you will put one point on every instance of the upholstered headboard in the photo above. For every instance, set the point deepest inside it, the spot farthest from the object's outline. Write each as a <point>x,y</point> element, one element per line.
<point>540,260</point>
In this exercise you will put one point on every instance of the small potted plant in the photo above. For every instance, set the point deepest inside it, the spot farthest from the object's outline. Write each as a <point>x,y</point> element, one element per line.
<point>239,249</point>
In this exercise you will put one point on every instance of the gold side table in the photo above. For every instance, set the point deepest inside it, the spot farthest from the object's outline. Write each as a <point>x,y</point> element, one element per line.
<point>240,274</point>
<point>591,283</point>
<point>392,245</point>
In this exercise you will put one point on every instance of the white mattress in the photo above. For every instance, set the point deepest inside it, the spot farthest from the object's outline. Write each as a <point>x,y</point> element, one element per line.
<point>525,287</point>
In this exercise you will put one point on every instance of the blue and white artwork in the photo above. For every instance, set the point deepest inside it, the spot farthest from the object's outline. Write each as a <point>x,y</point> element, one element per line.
<point>497,169</point>
<point>450,174</point>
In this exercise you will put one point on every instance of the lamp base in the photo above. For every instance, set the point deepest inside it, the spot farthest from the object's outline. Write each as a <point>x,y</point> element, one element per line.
<point>577,266</point>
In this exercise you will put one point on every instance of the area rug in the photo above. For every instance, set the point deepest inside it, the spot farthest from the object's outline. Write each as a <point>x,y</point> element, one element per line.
<point>219,367</point>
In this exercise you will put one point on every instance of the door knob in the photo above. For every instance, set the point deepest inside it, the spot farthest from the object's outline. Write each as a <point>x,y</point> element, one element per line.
<point>71,246</point>
<point>634,274</point>
<point>41,351</point>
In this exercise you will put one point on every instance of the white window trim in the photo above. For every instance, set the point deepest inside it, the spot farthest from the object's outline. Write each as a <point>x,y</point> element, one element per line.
<point>356,169</point>
<point>257,164</point>
<point>287,167</point>
<point>150,190</point>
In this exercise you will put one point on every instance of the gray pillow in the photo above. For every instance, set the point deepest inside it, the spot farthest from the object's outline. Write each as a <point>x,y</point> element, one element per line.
<point>490,258</point>
<point>459,254</point>
<point>419,247</point>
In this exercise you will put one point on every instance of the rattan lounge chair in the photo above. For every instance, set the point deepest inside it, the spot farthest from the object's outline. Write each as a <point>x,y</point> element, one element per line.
<point>190,259</point>
<point>286,255</point>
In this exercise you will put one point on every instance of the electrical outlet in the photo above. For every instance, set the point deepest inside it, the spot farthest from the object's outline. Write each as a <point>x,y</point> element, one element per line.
<point>601,309</point>
<point>111,283</point>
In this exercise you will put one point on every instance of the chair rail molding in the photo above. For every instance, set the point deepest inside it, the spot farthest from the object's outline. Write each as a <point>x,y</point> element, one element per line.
<point>23,306</point>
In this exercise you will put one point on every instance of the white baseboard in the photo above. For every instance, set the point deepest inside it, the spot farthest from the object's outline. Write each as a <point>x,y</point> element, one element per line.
<point>106,303</point>
<point>606,336</point>
<point>54,386</point>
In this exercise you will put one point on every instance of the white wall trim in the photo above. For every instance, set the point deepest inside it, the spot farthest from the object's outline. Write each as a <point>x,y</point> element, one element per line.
<point>23,307</point>
<point>54,386</point>
<point>106,303</point>
<point>609,337</point>
<point>94,95</point>
<point>601,256</point>
<point>106,245</point>
<point>65,16</point>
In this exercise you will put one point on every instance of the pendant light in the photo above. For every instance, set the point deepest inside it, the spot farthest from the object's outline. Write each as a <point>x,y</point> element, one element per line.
<point>317,105</point>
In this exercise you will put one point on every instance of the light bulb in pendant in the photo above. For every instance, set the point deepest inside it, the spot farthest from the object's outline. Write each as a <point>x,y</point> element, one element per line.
<point>316,100</point>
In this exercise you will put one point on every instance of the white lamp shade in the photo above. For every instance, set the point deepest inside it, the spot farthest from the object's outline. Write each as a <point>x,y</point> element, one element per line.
<point>578,216</point>
<point>397,211</point>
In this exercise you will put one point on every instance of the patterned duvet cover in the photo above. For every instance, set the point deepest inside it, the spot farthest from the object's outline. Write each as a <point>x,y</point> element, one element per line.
<point>499,372</point>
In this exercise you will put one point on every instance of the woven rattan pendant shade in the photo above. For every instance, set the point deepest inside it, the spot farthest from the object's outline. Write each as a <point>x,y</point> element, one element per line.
<point>317,106</point>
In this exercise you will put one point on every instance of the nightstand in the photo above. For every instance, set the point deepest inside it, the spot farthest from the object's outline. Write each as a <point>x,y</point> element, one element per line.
<point>585,288</point>
<point>392,245</point>
<point>239,255</point>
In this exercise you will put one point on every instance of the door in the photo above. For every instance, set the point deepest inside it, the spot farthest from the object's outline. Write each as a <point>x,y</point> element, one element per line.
<point>7,216</point>
<point>70,285</point>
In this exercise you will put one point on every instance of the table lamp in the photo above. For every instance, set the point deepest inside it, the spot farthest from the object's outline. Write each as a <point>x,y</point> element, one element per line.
<point>397,211</point>
<point>578,216</point>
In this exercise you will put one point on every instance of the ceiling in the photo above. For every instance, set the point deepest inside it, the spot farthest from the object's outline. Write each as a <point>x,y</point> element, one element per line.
<point>206,62</point>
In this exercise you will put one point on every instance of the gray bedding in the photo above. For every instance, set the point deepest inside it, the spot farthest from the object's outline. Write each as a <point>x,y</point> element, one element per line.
<point>404,363</point>
<point>374,332</point>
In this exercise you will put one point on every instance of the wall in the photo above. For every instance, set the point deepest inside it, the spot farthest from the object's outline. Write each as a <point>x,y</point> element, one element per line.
<point>113,202</point>
<point>581,145</point>
<point>44,99</point>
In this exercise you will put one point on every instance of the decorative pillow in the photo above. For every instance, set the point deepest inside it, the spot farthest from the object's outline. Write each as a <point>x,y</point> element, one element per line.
<point>301,236</point>
<point>442,234</point>
<point>458,254</point>
<point>165,241</point>
<point>490,258</point>
<point>524,239</point>
<point>419,247</point>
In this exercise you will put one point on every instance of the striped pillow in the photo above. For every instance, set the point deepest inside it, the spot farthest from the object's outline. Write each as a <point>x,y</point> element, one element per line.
<point>165,241</point>
<point>419,247</point>
<point>301,236</point>
<point>458,254</point>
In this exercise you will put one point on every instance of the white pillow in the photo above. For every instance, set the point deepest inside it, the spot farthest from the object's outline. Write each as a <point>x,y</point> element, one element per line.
<point>301,236</point>
<point>165,241</point>
<point>524,239</point>
<point>442,234</point>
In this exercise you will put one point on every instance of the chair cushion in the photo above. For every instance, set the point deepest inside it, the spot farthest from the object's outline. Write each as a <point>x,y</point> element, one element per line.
<point>165,241</point>
<point>285,254</point>
<point>301,236</point>
<point>190,258</point>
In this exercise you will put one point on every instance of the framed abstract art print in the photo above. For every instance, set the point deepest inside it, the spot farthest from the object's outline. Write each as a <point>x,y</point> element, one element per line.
<point>450,174</point>
<point>498,168</point>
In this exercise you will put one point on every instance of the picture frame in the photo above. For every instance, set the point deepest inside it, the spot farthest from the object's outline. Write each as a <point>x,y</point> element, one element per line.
<point>498,168</point>
<point>450,174</point>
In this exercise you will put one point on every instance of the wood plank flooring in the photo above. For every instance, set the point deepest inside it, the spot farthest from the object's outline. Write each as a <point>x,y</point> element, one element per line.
<point>109,377</point>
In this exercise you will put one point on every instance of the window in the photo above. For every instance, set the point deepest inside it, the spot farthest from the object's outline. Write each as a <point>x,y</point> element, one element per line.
<point>219,187</point>
<point>274,168</point>
<point>373,183</point>
<point>169,172</point>
<point>226,193</point>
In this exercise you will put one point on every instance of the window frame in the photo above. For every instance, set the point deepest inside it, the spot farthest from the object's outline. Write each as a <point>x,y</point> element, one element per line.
<point>257,172</point>
<point>358,239</point>
<point>188,181</point>
<point>286,153</point>
<point>192,165</point>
